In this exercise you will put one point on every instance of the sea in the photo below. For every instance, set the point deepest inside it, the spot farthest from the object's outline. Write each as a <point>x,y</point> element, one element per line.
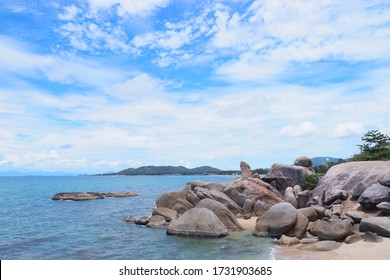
<point>34,227</point>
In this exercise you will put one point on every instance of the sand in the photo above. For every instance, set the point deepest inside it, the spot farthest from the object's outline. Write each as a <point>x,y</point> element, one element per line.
<point>357,251</point>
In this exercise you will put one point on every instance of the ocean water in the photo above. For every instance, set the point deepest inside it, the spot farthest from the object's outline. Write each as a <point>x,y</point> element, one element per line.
<point>32,226</point>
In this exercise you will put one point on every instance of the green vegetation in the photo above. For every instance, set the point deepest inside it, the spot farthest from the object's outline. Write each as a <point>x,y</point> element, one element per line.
<point>171,170</point>
<point>260,171</point>
<point>309,182</point>
<point>376,146</point>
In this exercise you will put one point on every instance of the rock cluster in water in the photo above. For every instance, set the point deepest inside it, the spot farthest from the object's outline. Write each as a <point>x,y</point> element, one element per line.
<point>350,203</point>
<point>80,196</point>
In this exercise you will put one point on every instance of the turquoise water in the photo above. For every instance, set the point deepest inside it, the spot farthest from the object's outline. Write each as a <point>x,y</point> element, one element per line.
<point>32,226</point>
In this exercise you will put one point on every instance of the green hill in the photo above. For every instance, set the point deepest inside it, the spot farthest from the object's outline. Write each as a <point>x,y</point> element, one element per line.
<point>170,170</point>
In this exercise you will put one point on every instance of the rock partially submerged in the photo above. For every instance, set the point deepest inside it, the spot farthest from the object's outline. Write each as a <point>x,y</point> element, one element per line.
<point>198,222</point>
<point>81,196</point>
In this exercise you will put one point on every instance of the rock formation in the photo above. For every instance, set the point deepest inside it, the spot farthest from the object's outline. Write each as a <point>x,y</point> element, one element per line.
<point>80,196</point>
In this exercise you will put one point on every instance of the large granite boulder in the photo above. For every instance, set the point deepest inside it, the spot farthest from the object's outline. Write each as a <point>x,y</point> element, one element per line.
<point>379,225</point>
<point>334,194</point>
<point>246,171</point>
<point>278,220</point>
<point>331,230</point>
<point>222,212</point>
<point>289,196</point>
<point>227,201</point>
<point>384,207</point>
<point>174,200</point>
<point>300,226</point>
<point>303,161</point>
<point>374,195</point>
<point>285,175</point>
<point>199,222</point>
<point>156,221</point>
<point>351,175</point>
<point>255,189</point>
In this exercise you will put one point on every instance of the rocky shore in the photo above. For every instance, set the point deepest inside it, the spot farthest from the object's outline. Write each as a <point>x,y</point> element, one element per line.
<point>350,204</point>
<point>81,196</point>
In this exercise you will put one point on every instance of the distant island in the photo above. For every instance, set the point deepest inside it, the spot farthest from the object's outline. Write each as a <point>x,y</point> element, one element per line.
<point>171,170</point>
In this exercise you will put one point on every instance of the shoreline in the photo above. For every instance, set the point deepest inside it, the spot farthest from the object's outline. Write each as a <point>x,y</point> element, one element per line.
<point>360,250</point>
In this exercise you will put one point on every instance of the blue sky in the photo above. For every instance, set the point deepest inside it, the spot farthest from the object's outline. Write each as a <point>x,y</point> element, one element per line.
<point>98,85</point>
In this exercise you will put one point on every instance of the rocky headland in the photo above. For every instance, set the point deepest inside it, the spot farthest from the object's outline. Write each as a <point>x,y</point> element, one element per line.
<point>351,203</point>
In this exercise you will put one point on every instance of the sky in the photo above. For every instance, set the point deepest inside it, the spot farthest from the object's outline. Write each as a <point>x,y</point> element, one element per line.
<point>93,86</point>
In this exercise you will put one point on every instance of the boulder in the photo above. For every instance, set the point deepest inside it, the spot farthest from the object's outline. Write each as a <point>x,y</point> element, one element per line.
<point>293,172</point>
<point>331,230</point>
<point>356,216</point>
<point>289,196</point>
<point>300,226</point>
<point>320,246</point>
<point>351,175</point>
<point>353,238</point>
<point>247,209</point>
<point>278,220</point>
<point>374,195</point>
<point>384,207</point>
<point>192,197</point>
<point>143,221</point>
<point>385,180</point>
<point>167,213</point>
<point>304,199</point>
<point>379,225</point>
<point>287,241</point>
<point>372,237</point>
<point>207,185</point>
<point>222,212</point>
<point>297,189</point>
<point>303,161</point>
<point>199,222</point>
<point>170,199</point>
<point>309,212</point>
<point>119,194</point>
<point>320,211</point>
<point>182,205</point>
<point>242,189</point>
<point>227,201</point>
<point>259,208</point>
<point>246,171</point>
<point>358,190</point>
<point>335,194</point>
<point>129,219</point>
<point>203,193</point>
<point>156,221</point>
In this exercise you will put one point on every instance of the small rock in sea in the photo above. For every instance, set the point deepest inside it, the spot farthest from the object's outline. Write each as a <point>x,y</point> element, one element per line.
<point>129,219</point>
<point>143,221</point>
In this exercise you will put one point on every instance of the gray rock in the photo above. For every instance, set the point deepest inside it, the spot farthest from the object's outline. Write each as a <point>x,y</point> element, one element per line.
<point>352,174</point>
<point>248,207</point>
<point>379,225</point>
<point>300,226</point>
<point>337,209</point>
<point>303,199</point>
<point>320,211</point>
<point>331,230</point>
<point>320,246</point>
<point>129,219</point>
<point>260,208</point>
<point>223,214</point>
<point>353,238</point>
<point>156,221</point>
<point>167,213</point>
<point>81,196</point>
<point>203,193</point>
<point>143,221</point>
<point>335,194</point>
<point>297,189</point>
<point>200,222</point>
<point>374,195</point>
<point>192,197</point>
<point>169,199</point>
<point>372,237</point>
<point>384,207</point>
<point>303,161</point>
<point>385,180</point>
<point>309,212</point>
<point>356,216</point>
<point>289,196</point>
<point>278,220</point>
<point>287,241</point>
<point>358,190</point>
<point>246,171</point>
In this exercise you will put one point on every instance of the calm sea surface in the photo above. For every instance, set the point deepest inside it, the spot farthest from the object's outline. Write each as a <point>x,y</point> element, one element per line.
<point>32,226</point>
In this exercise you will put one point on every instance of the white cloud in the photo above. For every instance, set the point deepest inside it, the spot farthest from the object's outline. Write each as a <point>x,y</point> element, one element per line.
<point>306,128</point>
<point>70,13</point>
<point>132,7</point>
<point>348,129</point>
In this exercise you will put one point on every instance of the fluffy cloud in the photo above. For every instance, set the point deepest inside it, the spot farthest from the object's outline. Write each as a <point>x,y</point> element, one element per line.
<point>303,129</point>
<point>70,13</point>
<point>348,129</point>
<point>132,7</point>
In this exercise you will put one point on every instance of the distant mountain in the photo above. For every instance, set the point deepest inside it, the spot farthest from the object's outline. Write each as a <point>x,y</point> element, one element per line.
<point>323,160</point>
<point>170,170</point>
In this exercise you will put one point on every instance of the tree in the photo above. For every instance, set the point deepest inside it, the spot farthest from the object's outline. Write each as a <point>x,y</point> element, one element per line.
<point>376,146</point>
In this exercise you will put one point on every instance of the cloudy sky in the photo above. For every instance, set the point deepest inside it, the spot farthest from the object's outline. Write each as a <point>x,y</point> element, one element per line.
<point>100,85</point>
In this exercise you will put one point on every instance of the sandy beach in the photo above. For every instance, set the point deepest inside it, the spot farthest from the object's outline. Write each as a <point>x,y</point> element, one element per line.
<point>357,251</point>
